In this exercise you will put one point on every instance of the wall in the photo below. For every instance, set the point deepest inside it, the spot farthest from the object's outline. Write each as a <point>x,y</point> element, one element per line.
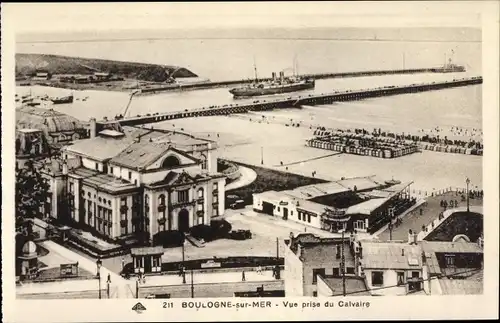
<point>123,173</point>
<point>91,164</point>
<point>293,274</point>
<point>390,280</point>
<point>328,265</point>
<point>323,289</point>
<point>315,219</point>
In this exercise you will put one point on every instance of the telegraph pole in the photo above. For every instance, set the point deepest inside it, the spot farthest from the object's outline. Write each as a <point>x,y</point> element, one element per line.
<point>277,249</point>
<point>262,155</point>
<point>192,284</point>
<point>467,181</point>
<point>343,264</point>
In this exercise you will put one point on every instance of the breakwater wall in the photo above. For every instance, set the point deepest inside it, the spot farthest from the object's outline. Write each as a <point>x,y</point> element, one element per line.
<point>291,102</point>
<point>318,76</point>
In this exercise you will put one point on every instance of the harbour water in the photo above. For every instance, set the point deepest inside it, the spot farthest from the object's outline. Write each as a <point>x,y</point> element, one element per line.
<point>225,59</point>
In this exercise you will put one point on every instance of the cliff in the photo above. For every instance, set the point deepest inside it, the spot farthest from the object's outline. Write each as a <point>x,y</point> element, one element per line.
<point>27,64</point>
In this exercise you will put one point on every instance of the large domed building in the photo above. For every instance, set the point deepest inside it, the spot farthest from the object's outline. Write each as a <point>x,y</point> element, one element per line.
<point>57,128</point>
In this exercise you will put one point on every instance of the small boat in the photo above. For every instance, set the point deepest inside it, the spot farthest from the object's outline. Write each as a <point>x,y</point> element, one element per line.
<point>63,100</point>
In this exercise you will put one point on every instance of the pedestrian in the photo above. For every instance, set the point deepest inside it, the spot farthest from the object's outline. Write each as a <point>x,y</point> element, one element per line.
<point>243,276</point>
<point>123,263</point>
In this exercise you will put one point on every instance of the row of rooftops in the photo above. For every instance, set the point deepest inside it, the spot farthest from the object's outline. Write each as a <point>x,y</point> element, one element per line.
<point>382,255</point>
<point>376,255</point>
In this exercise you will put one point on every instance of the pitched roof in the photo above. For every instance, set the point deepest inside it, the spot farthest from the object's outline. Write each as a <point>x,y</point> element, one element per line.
<point>367,207</point>
<point>99,148</point>
<point>47,119</point>
<point>361,183</point>
<point>354,286</point>
<point>391,255</point>
<point>102,181</point>
<point>142,154</point>
<point>311,206</point>
<point>315,190</point>
<point>461,286</point>
<point>451,247</point>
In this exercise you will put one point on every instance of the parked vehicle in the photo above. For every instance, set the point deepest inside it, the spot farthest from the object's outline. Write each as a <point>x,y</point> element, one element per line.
<point>239,204</point>
<point>240,235</point>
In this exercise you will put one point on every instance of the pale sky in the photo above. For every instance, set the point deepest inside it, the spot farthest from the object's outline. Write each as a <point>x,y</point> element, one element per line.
<point>105,16</point>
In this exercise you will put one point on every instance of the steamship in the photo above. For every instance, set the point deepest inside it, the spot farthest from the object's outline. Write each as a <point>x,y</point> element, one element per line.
<point>274,86</point>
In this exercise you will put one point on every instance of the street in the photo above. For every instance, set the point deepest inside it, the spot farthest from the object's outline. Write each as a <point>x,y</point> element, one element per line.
<point>210,290</point>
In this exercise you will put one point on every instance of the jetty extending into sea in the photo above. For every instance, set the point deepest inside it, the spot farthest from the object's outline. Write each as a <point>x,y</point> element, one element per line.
<point>290,102</point>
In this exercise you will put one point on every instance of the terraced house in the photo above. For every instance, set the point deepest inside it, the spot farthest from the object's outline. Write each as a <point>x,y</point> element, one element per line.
<point>136,181</point>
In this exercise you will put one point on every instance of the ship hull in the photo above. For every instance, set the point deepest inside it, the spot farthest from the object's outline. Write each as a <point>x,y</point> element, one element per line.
<point>68,99</point>
<point>249,92</point>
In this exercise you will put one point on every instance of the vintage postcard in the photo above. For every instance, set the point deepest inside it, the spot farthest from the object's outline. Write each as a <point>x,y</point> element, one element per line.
<point>250,161</point>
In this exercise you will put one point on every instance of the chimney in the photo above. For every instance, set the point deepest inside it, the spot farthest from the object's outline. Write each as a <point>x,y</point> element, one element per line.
<point>410,236</point>
<point>65,168</point>
<point>93,127</point>
<point>299,250</point>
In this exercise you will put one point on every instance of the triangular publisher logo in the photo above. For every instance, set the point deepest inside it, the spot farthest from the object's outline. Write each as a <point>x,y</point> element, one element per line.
<point>139,308</point>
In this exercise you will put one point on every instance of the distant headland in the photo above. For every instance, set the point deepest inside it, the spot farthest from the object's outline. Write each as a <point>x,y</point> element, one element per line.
<point>84,73</point>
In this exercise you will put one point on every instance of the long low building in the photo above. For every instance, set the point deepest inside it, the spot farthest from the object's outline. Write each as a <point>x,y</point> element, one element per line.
<point>363,204</point>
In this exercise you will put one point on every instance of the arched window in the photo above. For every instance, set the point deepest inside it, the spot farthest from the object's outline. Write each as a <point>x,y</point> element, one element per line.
<point>200,193</point>
<point>170,161</point>
<point>161,199</point>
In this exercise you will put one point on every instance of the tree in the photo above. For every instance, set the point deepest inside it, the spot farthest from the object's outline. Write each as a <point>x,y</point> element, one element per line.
<point>32,191</point>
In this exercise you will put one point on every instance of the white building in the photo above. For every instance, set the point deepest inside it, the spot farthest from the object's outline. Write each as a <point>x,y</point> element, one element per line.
<point>141,181</point>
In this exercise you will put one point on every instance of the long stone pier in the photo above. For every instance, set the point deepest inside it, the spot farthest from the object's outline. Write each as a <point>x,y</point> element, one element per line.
<point>318,76</point>
<point>292,102</point>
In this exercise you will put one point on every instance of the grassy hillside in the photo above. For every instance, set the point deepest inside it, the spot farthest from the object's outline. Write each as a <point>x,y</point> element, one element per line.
<point>28,63</point>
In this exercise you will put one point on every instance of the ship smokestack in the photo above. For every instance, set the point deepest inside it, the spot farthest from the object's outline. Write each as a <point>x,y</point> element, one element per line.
<point>282,76</point>
<point>274,76</point>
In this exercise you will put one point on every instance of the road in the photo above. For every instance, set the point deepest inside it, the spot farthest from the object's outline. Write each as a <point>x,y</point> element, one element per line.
<point>210,290</point>
<point>120,287</point>
<point>247,177</point>
<point>126,288</point>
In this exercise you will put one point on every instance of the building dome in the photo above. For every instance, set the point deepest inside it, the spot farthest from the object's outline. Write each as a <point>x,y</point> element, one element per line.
<point>47,120</point>
<point>29,250</point>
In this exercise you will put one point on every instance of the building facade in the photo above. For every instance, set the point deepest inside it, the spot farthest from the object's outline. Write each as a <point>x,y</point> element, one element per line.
<point>361,204</point>
<point>142,182</point>
<point>308,257</point>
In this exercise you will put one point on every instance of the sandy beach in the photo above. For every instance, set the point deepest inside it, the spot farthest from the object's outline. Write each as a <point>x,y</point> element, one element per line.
<point>241,140</point>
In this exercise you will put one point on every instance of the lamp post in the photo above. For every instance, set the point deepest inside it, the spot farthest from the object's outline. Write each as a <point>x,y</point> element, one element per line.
<point>467,182</point>
<point>183,264</point>
<point>99,264</point>
<point>108,282</point>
